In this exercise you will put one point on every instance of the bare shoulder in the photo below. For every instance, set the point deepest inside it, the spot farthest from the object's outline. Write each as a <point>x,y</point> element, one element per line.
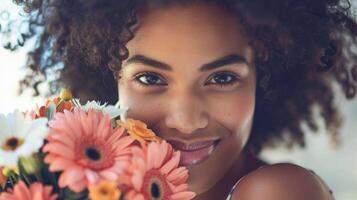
<point>281,181</point>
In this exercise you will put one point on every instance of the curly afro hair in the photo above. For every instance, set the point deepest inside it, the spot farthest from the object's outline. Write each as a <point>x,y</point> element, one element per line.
<point>303,49</point>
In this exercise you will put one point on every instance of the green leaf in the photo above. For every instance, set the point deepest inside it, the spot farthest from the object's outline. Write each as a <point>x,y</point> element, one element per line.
<point>68,194</point>
<point>23,174</point>
<point>50,111</point>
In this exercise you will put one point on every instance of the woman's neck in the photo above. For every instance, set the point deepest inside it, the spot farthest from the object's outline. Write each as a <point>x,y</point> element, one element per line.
<point>245,163</point>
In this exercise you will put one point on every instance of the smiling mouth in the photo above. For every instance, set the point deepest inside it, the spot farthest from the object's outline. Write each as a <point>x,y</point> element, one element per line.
<point>194,153</point>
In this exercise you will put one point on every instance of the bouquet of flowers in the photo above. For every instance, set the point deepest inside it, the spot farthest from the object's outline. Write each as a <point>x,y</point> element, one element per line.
<point>65,150</point>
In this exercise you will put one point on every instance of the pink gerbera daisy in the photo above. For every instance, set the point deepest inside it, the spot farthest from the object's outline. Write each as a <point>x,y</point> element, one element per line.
<point>85,147</point>
<point>154,174</point>
<point>36,191</point>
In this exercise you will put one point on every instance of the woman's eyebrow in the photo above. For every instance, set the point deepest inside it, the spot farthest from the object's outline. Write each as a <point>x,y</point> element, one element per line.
<point>147,61</point>
<point>226,60</point>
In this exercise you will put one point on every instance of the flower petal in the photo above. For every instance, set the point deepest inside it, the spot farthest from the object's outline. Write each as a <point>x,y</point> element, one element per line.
<point>178,175</point>
<point>21,191</point>
<point>59,149</point>
<point>183,195</point>
<point>92,177</point>
<point>171,164</point>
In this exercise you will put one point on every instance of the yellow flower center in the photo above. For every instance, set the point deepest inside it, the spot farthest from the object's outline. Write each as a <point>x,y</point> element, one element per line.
<point>104,191</point>
<point>12,143</point>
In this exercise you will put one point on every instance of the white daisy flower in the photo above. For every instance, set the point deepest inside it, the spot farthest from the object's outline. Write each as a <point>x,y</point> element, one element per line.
<point>20,135</point>
<point>111,110</point>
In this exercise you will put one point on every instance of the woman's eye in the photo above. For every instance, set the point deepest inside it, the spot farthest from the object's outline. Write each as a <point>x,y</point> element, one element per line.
<point>223,79</point>
<point>149,78</point>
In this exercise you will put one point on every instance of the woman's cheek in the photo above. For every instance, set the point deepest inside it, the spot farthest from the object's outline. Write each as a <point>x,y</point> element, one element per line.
<point>234,110</point>
<point>142,107</point>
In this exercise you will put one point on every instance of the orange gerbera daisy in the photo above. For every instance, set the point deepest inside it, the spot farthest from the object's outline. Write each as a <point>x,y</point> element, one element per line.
<point>36,191</point>
<point>154,174</point>
<point>85,147</point>
<point>138,130</point>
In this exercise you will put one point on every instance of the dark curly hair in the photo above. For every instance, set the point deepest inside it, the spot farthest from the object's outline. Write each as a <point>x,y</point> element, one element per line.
<point>303,49</point>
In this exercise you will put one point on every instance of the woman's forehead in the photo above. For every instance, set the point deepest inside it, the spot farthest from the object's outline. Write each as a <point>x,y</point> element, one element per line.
<point>197,32</point>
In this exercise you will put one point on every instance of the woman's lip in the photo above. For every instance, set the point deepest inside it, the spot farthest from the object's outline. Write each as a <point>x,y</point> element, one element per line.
<point>191,147</point>
<point>197,156</point>
<point>195,153</point>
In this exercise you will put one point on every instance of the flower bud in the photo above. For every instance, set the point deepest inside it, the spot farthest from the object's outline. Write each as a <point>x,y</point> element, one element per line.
<point>30,164</point>
<point>65,94</point>
<point>8,171</point>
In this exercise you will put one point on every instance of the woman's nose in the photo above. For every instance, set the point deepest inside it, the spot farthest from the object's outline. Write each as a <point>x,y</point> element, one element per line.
<point>186,114</point>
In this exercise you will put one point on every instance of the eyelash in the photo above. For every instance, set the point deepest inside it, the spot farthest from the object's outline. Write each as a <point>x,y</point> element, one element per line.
<point>233,80</point>
<point>138,76</point>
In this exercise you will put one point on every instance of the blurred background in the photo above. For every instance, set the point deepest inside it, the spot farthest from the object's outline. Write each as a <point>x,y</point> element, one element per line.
<point>336,165</point>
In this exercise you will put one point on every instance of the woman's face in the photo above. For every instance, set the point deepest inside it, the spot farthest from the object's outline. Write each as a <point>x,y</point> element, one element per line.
<point>190,76</point>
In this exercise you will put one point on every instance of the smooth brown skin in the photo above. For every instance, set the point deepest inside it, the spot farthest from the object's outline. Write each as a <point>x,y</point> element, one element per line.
<point>281,181</point>
<point>187,104</point>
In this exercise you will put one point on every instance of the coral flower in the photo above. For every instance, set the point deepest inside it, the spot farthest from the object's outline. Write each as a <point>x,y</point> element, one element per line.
<point>86,149</point>
<point>36,191</point>
<point>104,191</point>
<point>60,104</point>
<point>154,174</point>
<point>139,131</point>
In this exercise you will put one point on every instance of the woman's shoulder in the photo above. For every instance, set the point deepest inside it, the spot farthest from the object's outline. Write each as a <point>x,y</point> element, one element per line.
<point>281,181</point>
